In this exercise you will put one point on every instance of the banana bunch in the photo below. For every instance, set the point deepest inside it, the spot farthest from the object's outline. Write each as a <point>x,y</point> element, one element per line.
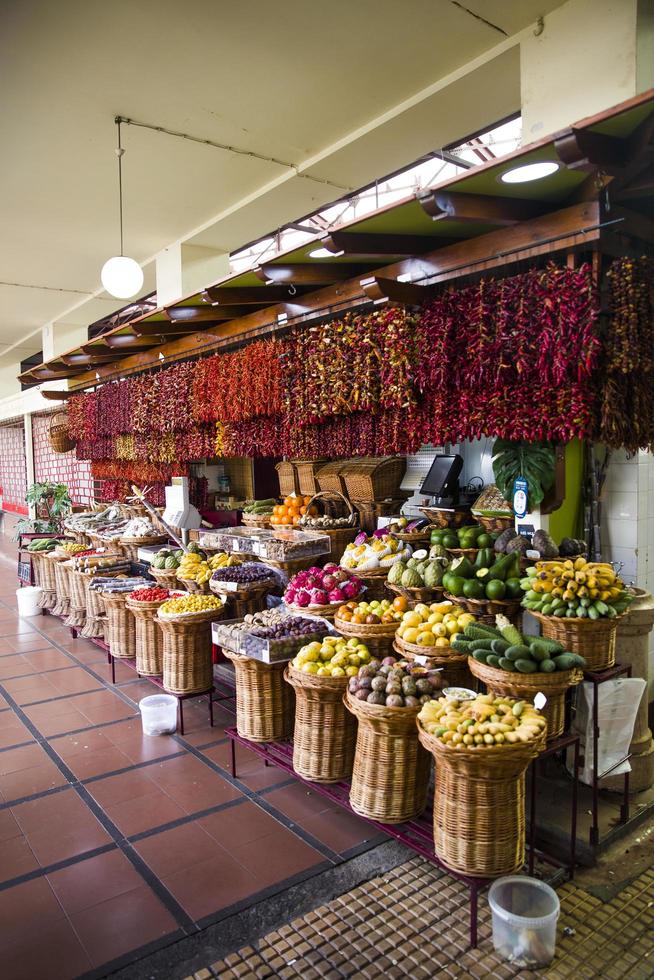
<point>194,568</point>
<point>575,588</point>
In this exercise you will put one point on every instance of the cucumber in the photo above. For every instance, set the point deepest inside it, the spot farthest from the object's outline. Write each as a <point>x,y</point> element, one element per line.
<point>565,661</point>
<point>481,645</point>
<point>464,646</point>
<point>507,664</point>
<point>579,660</point>
<point>547,609</point>
<point>477,631</point>
<point>517,652</point>
<point>547,666</point>
<point>525,666</point>
<point>493,660</point>
<point>508,630</point>
<point>500,647</point>
<point>480,655</point>
<point>541,648</point>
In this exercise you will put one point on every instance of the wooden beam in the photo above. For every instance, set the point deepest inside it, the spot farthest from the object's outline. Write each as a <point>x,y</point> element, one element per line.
<point>573,227</point>
<point>48,374</point>
<point>198,314</point>
<point>309,273</point>
<point>86,360</point>
<point>581,149</point>
<point>246,295</point>
<point>479,208</point>
<point>130,343</point>
<point>358,243</point>
<point>635,224</point>
<point>56,396</point>
<point>381,290</point>
<point>180,329</point>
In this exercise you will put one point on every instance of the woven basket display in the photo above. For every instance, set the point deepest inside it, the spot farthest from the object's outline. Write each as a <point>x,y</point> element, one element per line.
<point>58,434</point>
<point>130,546</point>
<point>288,484</point>
<point>374,580</point>
<point>485,610</point>
<point>446,517</point>
<point>469,553</point>
<point>255,520</point>
<point>593,639</point>
<point>243,602</point>
<point>324,732</point>
<point>96,617</point>
<point>414,596</point>
<point>479,805</point>
<point>329,477</point>
<point>201,588</point>
<point>77,614</point>
<point>265,703</point>
<point>327,612</point>
<point>339,537</point>
<point>527,686</point>
<point>166,578</point>
<point>48,599</point>
<point>62,573</point>
<point>306,470</point>
<point>453,666</point>
<point>36,560</point>
<point>148,643</point>
<point>373,478</point>
<point>495,524</point>
<point>377,637</point>
<point>187,666</point>
<point>121,629</point>
<point>390,777</point>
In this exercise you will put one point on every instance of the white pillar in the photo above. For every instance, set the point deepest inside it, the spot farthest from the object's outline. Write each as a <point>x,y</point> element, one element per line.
<point>185,269</point>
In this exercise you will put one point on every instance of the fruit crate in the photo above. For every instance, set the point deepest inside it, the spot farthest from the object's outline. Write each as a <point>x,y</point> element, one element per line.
<point>246,644</point>
<point>329,477</point>
<point>288,479</point>
<point>373,478</point>
<point>307,470</point>
<point>281,544</point>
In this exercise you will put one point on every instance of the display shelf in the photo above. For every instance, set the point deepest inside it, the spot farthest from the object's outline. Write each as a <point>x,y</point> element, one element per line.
<point>597,677</point>
<point>557,745</point>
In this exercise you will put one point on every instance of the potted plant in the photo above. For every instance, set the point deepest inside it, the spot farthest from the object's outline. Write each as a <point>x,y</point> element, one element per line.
<point>51,503</point>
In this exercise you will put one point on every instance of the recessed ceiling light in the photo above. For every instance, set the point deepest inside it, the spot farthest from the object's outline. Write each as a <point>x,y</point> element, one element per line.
<point>531,171</point>
<point>321,253</point>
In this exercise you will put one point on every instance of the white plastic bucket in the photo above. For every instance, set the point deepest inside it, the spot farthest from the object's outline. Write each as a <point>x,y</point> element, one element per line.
<point>159,714</point>
<point>525,912</point>
<point>28,600</point>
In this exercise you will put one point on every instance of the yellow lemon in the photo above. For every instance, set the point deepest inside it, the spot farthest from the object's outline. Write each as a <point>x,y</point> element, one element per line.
<point>426,639</point>
<point>410,634</point>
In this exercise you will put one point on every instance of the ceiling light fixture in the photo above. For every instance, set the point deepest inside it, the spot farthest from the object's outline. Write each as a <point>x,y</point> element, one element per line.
<point>322,253</point>
<point>530,171</point>
<point>121,276</point>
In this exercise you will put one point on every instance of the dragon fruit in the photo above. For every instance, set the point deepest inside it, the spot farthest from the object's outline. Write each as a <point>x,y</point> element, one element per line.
<point>350,589</point>
<point>290,594</point>
<point>341,575</point>
<point>311,582</point>
<point>330,568</point>
<point>314,570</point>
<point>318,597</point>
<point>337,595</point>
<point>302,598</point>
<point>329,582</point>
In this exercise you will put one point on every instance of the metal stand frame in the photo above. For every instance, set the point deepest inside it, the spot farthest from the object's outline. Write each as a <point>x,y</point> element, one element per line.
<point>557,745</point>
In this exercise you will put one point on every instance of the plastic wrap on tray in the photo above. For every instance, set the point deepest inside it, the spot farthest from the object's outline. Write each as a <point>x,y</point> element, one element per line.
<point>281,544</point>
<point>242,641</point>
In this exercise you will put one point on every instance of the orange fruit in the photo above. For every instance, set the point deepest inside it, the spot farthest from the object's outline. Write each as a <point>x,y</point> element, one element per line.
<point>400,603</point>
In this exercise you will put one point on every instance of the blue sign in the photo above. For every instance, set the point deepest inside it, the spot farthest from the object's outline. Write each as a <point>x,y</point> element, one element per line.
<point>520,496</point>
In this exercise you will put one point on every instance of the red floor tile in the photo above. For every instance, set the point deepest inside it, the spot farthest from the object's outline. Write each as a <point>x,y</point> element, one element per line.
<point>211,885</point>
<point>96,762</point>
<point>191,784</point>
<point>298,802</point>
<point>123,923</point>
<point>24,908</point>
<point>15,666</point>
<point>8,826</point>
<point>52,659</point>
<point>14,626</point>
<point>26,771</point>
<point>57,717</point>
<point>102,706</point>
<point>338,829</point>
<point>33,687</point>
<point>239,825</point>
<point>26,642</point>
<point>95,880</point>
<point>132,816</point>
<point>12,731</point>
<point>277,856</point>
<point>73,681</point>
<point>126,786</point>
<point>59,826</point>
<point>16,858</point>
<point>173,850</point>
<point>58,954</point>
<point>129,738</point>
<point>250,768</point>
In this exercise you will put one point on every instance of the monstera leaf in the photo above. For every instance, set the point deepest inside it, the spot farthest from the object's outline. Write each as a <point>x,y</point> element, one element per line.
<point>532,460</point>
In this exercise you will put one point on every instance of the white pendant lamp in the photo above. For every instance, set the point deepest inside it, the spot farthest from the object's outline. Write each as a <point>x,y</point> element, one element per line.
<point>121,276</point>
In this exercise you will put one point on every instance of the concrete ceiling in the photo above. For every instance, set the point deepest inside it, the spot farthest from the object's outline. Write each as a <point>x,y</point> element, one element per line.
<point>345,92</point>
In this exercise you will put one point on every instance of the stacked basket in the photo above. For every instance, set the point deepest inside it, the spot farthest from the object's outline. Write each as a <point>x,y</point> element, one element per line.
<point>377,637</point>
<point>324,732</point>
<point>593,639</point>
<point>187,665</point>
<point>121,631</point>
<point>148,638</point>
<point>264,702</point>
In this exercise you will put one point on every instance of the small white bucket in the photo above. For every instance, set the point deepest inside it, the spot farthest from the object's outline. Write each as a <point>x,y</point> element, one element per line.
<point>159,714</point>
<point>28,600</point>
<point>525,912</point>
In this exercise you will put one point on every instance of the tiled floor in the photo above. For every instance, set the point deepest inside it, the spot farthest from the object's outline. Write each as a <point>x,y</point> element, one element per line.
<point>112,843</point>
<point>412,923</point>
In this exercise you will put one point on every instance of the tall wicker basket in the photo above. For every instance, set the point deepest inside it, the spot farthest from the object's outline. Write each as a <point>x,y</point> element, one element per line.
<point>148,641</point>
<point>378,638</point>
<point>306,475</point>
<point>324,733</point>
<point>36,560</point>
<point>287,474</point>
<point>96,617</point>
<point>593,639</point>
<point>373,478</point>
<point>187,666</point>
<point>527,686</point>
<point>78,600</point>
<point>479,805</point>
<point>62,573</point>
<point>130,546</point>
<point>121,630</point>
<point>48,598</point>
<point>265,703</point>
<point>60,441</point>
<point>391,771</point>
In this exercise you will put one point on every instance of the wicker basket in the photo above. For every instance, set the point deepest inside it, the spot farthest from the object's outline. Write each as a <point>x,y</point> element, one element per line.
<point>485,610</point>
<point>373,478</point>
<point>329,477</point>
<point>593,639</point>
<point>187,665</point>
<point>256,520</point>
<point>62,573</point>
<point>469,553</point>
<point>495,524</point>
<point>453,665</point>
<point>375,582</point>
<point>515,685</point>
<point>265,703</point>
<point>166,577</point>
<point>96,617</point>
<point>36,559</point>
<point>377,637</point>
<point>327,612</point>
<point>324,732</point>
<point>446,516</point>
<point>288,483</point>
<point>339,537</point>
<point>414,596</point>
<point>48,599</point>
<point>242,604</point>
<point>149,638</point>
<point>479,805</point>
<point>121,629</point>
<point>130,546</point>
<point>390,778</point>
<point>58,434</point>
<point>200,588</point>
<point>306,470</point>
<point>78,601</point>
<point>416,539</point>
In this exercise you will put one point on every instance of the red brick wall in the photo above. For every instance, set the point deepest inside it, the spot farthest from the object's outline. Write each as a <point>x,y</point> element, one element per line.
<point>13,471</point>
<point>60,467</point>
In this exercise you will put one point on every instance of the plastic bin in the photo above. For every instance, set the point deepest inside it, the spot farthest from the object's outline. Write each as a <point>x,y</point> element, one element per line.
<point>28,600</point>
<point>525,912</point>
<point>159,714</point>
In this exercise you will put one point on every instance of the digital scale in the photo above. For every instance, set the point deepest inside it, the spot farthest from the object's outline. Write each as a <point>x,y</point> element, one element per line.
<point>179,511</point>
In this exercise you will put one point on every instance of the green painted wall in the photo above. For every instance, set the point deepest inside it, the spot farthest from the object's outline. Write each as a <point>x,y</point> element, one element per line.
<point>568,520</point>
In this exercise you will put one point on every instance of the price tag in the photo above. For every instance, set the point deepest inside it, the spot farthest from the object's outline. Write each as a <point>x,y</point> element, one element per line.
<point>520,496</point>
<point>419,659</point>
<point>540,701</point>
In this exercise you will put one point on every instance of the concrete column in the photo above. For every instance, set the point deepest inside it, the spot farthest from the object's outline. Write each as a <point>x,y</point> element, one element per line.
<point>633,648</point>
<point>185,269</point>
<point>590,54</point>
